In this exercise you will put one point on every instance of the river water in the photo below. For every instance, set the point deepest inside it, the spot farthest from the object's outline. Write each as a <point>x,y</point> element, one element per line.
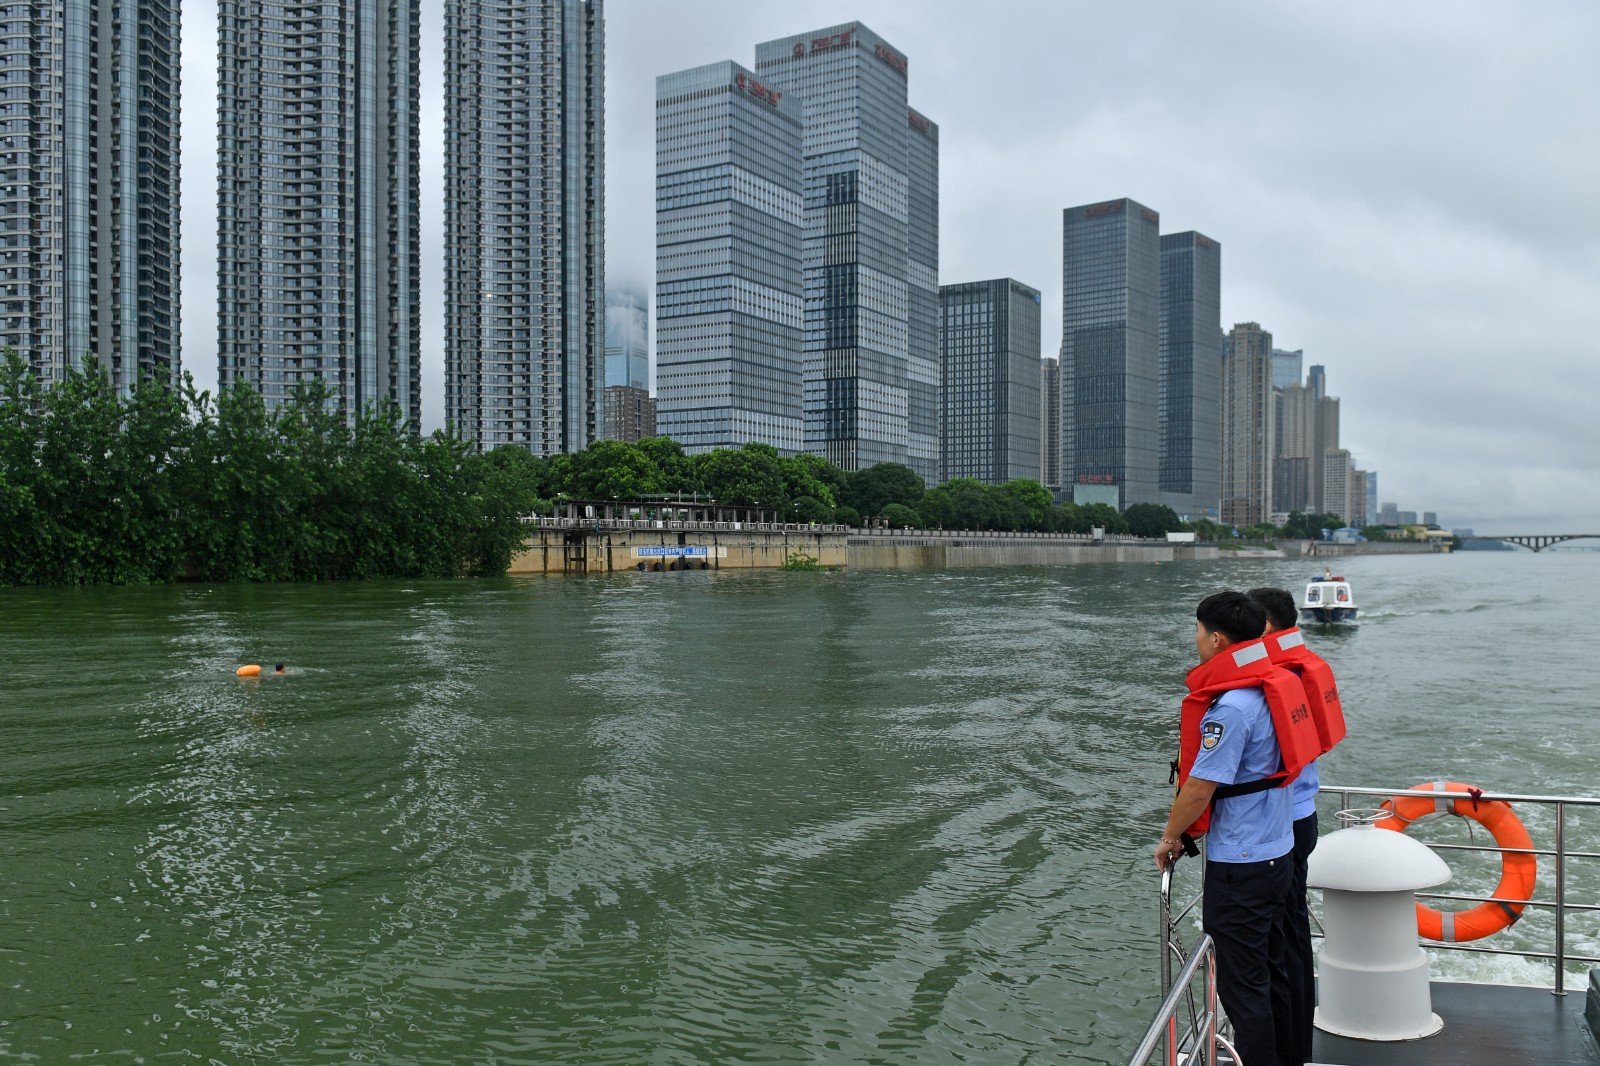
<point>860,817</point>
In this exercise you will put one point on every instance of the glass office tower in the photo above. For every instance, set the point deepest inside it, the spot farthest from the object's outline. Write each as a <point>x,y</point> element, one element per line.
<point>730,300</point>
<point>871,248</point>
<point>318,209</point>
<point>89,253</point>
<point>1190,398</point>
<point>1111,353</point>
<point>990,414</point>
<point>524,222</point>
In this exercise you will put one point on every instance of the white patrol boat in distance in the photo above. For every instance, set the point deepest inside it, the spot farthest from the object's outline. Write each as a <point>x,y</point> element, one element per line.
<point>1328,600</point>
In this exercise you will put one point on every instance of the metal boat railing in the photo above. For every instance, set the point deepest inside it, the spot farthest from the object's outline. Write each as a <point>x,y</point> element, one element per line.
<point>1559,853</point>
<point>1206,1030</point>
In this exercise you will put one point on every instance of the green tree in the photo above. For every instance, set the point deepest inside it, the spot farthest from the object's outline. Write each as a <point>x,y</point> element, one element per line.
<point>848,516</point>
<point>1032,499</point>
<point>812,475</point>
<point>870,490</point>
<point>1151,520</point>
<point>748,475</point>
<point>809,509</point>
<point>1066,517</point>
<point>899,516</point>
<point>1104,516</point>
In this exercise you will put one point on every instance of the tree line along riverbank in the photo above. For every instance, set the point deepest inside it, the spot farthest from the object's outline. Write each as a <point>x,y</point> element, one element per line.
<point>172,483</point>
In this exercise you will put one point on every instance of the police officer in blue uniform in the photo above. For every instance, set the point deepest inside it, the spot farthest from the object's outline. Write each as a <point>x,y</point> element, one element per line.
<point>1249,861</point>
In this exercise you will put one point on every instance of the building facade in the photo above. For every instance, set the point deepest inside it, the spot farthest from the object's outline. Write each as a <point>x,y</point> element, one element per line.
<point>89,252</point>
<point>730,296</point>
<point>870,183</point>
<point>630,414</point>
<point>1050,424</point>
<point>1247,426</point>
<point>1111,353</point>
<point>989,419</point>
<point>627,339</point>
<point>524,222</point>
<point>318,200</point>
<point>1358,515</point>
<point>1337,469</point>
<point>1190,397</point>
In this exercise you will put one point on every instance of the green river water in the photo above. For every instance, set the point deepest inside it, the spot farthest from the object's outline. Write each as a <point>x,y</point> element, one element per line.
<point>859,817</point>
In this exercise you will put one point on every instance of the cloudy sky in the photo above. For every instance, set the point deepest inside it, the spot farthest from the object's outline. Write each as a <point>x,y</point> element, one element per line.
<point>1406,191</point>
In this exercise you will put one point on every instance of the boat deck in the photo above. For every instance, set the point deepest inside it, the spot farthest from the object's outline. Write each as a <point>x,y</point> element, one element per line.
<point>1483,1025</point>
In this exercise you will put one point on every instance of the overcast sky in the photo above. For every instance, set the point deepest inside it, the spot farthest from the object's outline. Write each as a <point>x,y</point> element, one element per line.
<point>1406,191</point>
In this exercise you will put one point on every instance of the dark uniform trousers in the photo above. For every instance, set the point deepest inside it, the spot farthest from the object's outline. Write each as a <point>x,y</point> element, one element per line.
<point>1302,964</point>
<point>1245,912</point>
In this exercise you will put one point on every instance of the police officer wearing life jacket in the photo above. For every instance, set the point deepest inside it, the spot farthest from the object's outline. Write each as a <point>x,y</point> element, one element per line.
<point>1245,733</point>
<point>1287,648</point>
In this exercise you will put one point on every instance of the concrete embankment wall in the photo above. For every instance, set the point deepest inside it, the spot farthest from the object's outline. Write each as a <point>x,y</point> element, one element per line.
<point>577,549</point>
<point>870,552</point>
<point>1323,549</point>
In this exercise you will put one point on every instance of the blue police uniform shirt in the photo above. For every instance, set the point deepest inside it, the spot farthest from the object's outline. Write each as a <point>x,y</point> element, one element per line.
<point>1305,791</point>
<point>1243,747</point>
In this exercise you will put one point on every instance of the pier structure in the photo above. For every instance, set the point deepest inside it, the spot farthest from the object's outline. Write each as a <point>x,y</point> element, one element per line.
<point>670,533</point>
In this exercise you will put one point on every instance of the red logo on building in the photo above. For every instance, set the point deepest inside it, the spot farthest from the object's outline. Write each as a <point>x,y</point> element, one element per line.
<point>1113,208</point>
<point>917,121</point>
<point>757,90</point>
<point>893,58</point>
<point>828,44</point>
<point>1149,215</point>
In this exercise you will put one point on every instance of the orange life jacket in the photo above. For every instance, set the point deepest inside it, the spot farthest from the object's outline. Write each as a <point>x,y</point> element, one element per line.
<point>1247,665</point>
<point>1287,647</point>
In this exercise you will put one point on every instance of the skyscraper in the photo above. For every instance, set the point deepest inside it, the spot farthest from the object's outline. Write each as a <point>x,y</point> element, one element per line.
<point>318,210</point>
<point>89,187</point>
<point>1287,367</point>
<point>1247,426</point>
<point>1050,424</point>
<point>1111,353</point>
<point>730,300</point>
<point>1336,483</point>
<point>1191,372</point>
<point>627,339</point>
<point>524,222</point>
<point>871,248</point>
<point>990,414</point>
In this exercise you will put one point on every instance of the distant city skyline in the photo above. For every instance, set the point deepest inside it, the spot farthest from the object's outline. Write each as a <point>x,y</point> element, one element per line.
<point>1364,225</point>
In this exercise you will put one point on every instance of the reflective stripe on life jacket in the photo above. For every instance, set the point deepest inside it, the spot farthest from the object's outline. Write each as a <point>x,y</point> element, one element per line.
<point>1247,665</point>
<point>1287,647</point>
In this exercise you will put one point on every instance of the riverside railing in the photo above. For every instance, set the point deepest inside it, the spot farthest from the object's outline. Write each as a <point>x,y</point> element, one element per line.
<point>1196,1041</point>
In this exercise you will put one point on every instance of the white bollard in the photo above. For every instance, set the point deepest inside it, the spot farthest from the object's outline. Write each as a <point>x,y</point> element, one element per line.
<point>1372,974</point>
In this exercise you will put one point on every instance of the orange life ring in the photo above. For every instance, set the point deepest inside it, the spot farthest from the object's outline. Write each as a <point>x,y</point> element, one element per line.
<point>251,670</point>
<point>1518,869</point>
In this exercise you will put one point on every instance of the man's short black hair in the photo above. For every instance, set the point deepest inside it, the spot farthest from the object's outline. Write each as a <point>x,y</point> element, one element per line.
<point>1278,604</point>
<point>1233,614</point>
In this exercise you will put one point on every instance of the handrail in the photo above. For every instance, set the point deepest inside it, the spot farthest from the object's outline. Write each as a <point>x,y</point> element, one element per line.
<point>1560,904</point>
<point>1202,1033</point>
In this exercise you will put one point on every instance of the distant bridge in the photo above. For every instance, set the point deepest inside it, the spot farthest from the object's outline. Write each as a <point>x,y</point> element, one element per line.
<point>1539,541</point>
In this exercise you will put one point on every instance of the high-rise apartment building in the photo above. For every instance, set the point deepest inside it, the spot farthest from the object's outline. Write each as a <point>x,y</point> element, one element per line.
<point>89,187</point>
<point>1310,428</point>
<point>1247,426</point>
<point>630,414</point>
<point>1111,353</point>
<point>1336,483</point>
<point>1050,424</point>
<point>1190,396</point>
<point>989,419</point>
<point>318,200</point>
<point>1358,499</point>
<point>1372,496</point>
<point>627,339</point>
<point>730,298</point>
<point>524,176</point>
<point>870,245</point>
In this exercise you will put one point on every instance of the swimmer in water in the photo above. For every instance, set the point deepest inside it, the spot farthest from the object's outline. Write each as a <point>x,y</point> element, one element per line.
<point>279,671</point>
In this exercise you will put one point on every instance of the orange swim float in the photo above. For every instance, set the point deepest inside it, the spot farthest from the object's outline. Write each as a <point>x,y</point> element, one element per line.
<point>1518,869</point>
<point>252,670</point>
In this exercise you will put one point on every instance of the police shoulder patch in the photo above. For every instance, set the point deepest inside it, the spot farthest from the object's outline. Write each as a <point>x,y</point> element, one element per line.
<point>1211,735</point>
